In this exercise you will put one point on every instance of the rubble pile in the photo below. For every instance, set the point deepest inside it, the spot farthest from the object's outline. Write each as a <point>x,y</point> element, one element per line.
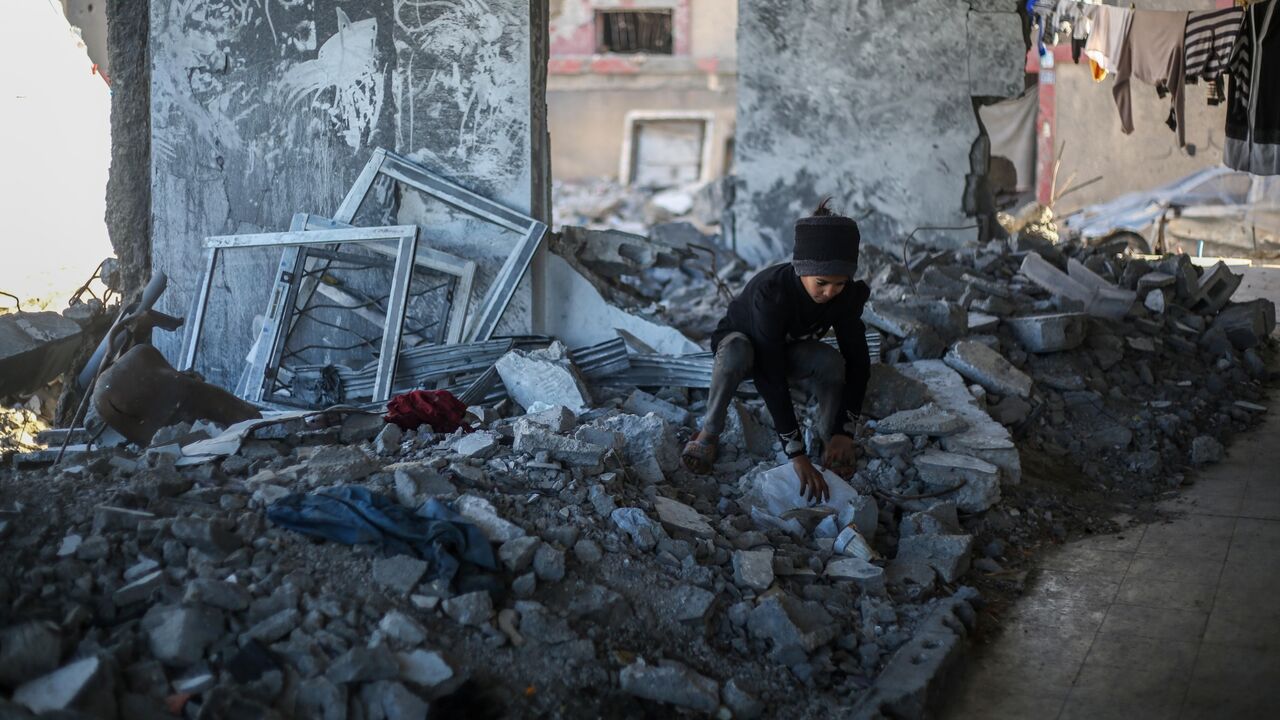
<point>604,203</point>
<point>555,558</point>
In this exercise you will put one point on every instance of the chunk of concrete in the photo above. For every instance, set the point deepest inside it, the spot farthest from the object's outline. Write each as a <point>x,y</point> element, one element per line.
<point>569,450</point>
<point>35,347</point>
<point>947,554</point>
<point>85,685</point>
<point>1047,333</point>
<point>678,517</point>
<point>426,669</point>
<point>476,445</point>
<point>869,578</point>
<point>545,376</point>
<point>642,403</point>
<point>27,651</point>
<point>888,445</point>
<point>981,488</point>
<point>929,420</point>
<point>178,636</point>
<point>650,444</point>
<point>399,573</point>
<point>208,535</point>
<point>980,364</point>
<point>889,392</point>
<point>517,553</point>
<point>792,624</point>
<point>753,568</point>
<point>402,630</point>
<point>474,608</point>
<point>643,531</point>
<point>482,512</point>
<point>673,683</point>
<point>363,664</point>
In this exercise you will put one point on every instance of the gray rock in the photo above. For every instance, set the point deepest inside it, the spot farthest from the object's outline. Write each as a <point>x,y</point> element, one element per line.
<point>980,364</point>
<point>475,608</point>
<point>929,419</point>
<point>940,470</point>
<point>400,573</point>
<point>28,651</point>
<point>540,625</point>
<point>392,701</point>
<point>642,403</point>
<point>565,449</point>
<point>671,682</point>
<point>485,516</point>
<point>650,445</point>
<point>523,586</point>
<point>545,376</point>
<point>678,517</point>
<point>275,626</point>
<point>426,669</point>
<point>587,552</point>
<point>741,703</point>
<point>947,554</point>
<point>889,392</point>
<point>320,698</point>
<point>363,664</point>
<point>178,636</point>
<point>217,593</point>
<point>388,440</point>
<point>138,590</point>
<point>1048,333</point>
<point>112,519</point>
<point>360,427</point>
<point>210,536</point>
<point>939,519</point>
<point>792,625</point>
<point>1205,450</point>
<point>645,533</point>
<point>86,685</point>
<point>402,630</point>
<point>753,568</point>
<point>601,501</point>
<point>517,553</point>
<point>415,482</point>
<point>548,563</point>
<point>691,603</point>
<point>94,547</point>
<point>337,464</point>
<point>476,445</point>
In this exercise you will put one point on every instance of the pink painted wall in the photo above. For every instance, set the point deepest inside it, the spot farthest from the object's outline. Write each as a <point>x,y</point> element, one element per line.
<point>573,35</point>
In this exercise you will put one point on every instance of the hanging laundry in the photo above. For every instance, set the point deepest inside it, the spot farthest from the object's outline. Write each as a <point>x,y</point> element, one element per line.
<point>1110,27</point>
<point>1210,37</point>
<point>1253,101</point>
<point>1011,127</point>
<point>1152,52</point>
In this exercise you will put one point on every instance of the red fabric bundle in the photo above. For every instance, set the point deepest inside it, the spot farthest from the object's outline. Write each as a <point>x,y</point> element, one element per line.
<point>437,408</point>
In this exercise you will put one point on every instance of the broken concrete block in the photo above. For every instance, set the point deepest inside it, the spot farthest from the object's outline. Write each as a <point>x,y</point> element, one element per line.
<point>533,440</point>
<point>691,603</point>
<point>792,624</point>
<point>475,608</point>
<point>1053,332</point>
<point>889,392</point>
<point>1205,450</point>
<point>138,590</point>
<point>476,445</point>
<point>947,554</point>
<point>35,348</point>
<point>178,636</point>
<point>517,553</point>
<point>988,368</point>
<point>557,419</point>
<point>217,593</point>
<point>644,532</point>
<point>276,626</point>
<point>651,448</point>
<point>869,578</point>
<point>482,512</point>
<point>424,668</point>
<point>642,403</point>
<point>886,317</point>
<point>399,573</point>
<point>742,704</point>
<point>888,445</point>
<point>940,519</point>
<point>982,437</point>
<point>211,536</point>
<point>545,376</point>
<point>86,685</point>
<point>415,482</point>
<point>363,664</point>
<point>387,441</point>
<point>1247,325</point>
<point>548,563</point>
<point>753,568</point>
<point>1215,288</point>
<point>678,517</point>
<point>402,630</point>
<point>981,488</point>
<point>743,432</point>
<point>27,651</point>
<point>671,682</point>
<point>110,519</point>
<point>929,419</point>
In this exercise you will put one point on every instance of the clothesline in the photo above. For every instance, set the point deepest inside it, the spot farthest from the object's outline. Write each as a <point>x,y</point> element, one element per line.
<point>1169,49</point>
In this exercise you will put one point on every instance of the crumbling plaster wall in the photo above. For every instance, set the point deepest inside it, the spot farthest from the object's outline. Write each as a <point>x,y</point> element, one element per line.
<point>260,110</point>
<point>869,101</point>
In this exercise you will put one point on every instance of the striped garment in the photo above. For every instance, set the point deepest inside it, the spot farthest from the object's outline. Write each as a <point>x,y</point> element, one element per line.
<point>1210,37</point>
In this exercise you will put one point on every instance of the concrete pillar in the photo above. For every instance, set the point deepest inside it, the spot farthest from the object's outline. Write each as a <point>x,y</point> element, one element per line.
<point>261,110</point>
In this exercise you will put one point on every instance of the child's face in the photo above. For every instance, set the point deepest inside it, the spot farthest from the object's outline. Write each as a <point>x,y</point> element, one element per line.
<point>824,288</point>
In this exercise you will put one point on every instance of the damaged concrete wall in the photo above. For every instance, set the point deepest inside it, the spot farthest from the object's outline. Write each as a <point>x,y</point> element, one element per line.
<point>869,102</point>
<point>261,110</point>
<point>128,212</point>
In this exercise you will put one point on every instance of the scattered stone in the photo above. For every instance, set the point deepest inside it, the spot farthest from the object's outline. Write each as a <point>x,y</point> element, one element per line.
<point>678,517</point>
<point>928,419</point>
<point>28,651</point>
<point>796,627</point>
<point>545,376</point>
<point>217,593</point>
<point>111,519</point>
<point>399,573</point>
<point>476,445</point>
<point>587,552</point>
<point>70,544</point>
<point>1205,450</point>
<point>753,568</point>
<point>360,427</point>
<point>691,603</point>
<point>644,532</point>
<point>548,563</point>
<point>402,630</point>
<point>426,669</point>
<point>741,703</point>
<point>275,626</point>
<point>869,578</point>
<point>363,664</point>
<point>388,440</point>
<point>208,535</point>
<point>85,685</point>
<point>947,554</point>
<point>482,512</point>
<point>673,683</point>
<point>981,480</point>
<point>475,608</point>
<point>178,636</point>
<point>533,440</point>
<point>889,392</point>
<point>517,553</point>
<point>138,590</point>
<point>890,445</point>
<point>641,403</point>
<point>1054,332</point>
<point>979,363</point>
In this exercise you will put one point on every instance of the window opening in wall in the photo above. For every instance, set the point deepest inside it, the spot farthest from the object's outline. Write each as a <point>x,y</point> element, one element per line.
<point>667,153</point>
<point>634,31</point>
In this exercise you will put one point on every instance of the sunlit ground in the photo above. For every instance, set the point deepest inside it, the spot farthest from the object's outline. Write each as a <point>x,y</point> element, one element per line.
<point>55,148</point>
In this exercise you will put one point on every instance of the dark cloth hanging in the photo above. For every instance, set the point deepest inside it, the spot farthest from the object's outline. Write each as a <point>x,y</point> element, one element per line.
<point>1152,52</point>
<point>1210,37</point>
<point>1253,99</point>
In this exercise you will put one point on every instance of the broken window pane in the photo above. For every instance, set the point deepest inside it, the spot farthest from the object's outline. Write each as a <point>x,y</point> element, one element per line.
<point>633,31</point>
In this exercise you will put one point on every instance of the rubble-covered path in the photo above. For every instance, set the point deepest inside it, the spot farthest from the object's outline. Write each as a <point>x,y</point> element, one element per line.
<point>1173,620</point>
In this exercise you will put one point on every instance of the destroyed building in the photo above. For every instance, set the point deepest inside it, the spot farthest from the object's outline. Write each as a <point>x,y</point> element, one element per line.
<point>364,428</point>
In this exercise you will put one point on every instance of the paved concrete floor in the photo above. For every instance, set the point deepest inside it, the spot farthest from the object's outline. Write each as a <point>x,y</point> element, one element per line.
<point>1174,620</point>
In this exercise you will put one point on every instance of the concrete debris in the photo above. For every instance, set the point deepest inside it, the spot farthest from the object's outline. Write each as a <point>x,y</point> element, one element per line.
<point>28,651</point>
<point>889,392</point>
<point>85,685</point>
<point>978,481</point>
<point>673,683</point>
<point>928,420</point>
<point>677,517</point>
<point>753,568</point>
<point>178,636</point>
<point>1050,332</point>
<point>35,347</point>
<point>544,376</point>
<point>981,364</point>
<point>947,554</point>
